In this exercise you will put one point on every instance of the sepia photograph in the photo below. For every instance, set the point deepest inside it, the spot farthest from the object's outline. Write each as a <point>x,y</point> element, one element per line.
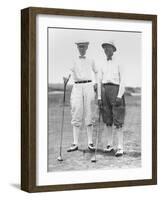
<point>94,99</point>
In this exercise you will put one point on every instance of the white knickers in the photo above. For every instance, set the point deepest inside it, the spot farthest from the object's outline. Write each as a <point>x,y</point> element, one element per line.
<point>82,104</point>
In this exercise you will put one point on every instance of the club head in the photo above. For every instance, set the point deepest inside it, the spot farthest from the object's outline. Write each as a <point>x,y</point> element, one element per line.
<point>60,158</point>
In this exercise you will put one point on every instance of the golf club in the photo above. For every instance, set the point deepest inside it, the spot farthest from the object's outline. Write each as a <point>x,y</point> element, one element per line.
<point>60,158</point>
<point>98,130</point>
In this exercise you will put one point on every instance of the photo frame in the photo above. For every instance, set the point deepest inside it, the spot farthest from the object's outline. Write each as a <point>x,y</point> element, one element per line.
<point>35,70</point>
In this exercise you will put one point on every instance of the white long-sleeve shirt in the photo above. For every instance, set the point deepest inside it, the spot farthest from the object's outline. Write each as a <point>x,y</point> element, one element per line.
<point>111,72</point>
<point>83,69</point>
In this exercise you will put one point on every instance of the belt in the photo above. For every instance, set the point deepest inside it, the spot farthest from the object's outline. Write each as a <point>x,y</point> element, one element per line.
<point>88,81</point>
<point>111,84</point>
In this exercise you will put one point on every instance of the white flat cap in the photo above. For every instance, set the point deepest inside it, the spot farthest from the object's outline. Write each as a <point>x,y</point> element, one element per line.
<point>82,43</point>
<point>109,43</point>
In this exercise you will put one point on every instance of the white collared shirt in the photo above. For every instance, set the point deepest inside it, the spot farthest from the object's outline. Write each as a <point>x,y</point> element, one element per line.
<point>112,72</point>
<point>83,68</point>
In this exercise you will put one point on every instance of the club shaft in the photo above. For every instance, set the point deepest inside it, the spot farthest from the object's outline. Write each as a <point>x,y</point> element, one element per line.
<point>62,124</point>
<point>98,130</point>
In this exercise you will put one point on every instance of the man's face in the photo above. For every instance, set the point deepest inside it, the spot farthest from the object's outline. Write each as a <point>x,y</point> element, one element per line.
<point>108,51</point>
<point>82,49</point>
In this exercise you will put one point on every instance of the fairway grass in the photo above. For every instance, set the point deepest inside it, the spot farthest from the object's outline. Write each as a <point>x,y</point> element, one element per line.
<point>81,159</point>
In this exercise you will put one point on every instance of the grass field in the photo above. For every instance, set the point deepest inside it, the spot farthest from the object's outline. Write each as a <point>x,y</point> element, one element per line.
<point>81,159</point>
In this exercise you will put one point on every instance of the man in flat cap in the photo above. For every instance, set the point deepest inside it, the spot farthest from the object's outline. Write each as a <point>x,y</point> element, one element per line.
<point>82,96</point>
<point>111,98</point>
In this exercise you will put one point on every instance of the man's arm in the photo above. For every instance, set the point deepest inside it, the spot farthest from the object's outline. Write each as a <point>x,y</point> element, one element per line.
<point>97,79</point>
<point>100,103</point>
<point>99,90</point>
<point>95,70</point>
<point>99,86</point>
<point>122,86</point>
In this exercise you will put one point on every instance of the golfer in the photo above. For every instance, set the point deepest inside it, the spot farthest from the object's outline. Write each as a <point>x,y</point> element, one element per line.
<point>83,95</point>
<point>111,98</point>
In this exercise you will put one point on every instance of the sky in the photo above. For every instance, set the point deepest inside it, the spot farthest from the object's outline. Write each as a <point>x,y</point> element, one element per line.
<point>62,50</point>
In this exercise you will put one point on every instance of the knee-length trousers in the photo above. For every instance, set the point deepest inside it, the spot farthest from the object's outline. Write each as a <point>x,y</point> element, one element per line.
<point>111,113</point>
<point>82,104</point>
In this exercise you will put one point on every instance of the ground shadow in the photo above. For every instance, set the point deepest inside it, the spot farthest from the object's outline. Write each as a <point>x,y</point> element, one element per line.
<point>133,154</point>
<point>99,151</point>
